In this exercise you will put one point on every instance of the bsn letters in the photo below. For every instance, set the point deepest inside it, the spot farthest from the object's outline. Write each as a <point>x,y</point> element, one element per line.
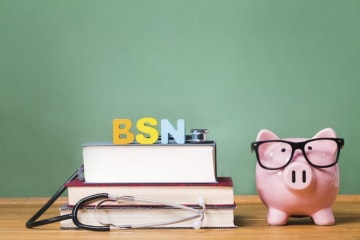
<point>122,131</point>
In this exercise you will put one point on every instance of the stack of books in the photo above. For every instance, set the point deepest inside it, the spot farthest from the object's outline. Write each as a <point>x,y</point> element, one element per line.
<point>180,174</point>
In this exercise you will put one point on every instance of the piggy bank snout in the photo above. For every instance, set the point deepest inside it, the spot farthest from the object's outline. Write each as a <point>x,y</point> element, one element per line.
<point>298,176</point>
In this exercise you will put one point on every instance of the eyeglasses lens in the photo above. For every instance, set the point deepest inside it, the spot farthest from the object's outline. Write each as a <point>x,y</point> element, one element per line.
<point>274,154</point>
<point>321,152</point>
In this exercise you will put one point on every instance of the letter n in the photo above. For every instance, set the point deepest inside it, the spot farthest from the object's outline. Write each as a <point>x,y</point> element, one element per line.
<point>178,134</point>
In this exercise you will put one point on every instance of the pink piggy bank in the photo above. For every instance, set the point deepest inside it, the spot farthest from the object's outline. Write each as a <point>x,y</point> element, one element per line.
<point>297,176</point>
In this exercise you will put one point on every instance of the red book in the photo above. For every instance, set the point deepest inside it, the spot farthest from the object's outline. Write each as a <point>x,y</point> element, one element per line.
<point>219,193</point>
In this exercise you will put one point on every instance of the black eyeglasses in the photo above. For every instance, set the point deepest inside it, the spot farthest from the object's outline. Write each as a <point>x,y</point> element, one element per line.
<point>318,152</point>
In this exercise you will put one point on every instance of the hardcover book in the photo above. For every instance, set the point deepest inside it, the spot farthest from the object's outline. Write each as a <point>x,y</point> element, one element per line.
<point>148,216</point>
<point>154,163</point>
<point>181,193</point>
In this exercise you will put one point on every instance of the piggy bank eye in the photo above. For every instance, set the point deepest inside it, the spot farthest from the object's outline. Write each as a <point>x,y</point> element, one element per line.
<point>283,150</point>
<point>309,148</point>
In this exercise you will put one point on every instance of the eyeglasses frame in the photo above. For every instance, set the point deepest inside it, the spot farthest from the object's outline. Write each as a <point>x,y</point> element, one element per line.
<point>297,145</point>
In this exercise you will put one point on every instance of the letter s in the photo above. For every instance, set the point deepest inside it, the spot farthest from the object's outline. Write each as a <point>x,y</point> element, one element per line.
<point>142,126</point>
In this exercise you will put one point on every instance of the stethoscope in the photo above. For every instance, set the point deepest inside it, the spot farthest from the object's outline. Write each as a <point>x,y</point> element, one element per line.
<point>198,214</point>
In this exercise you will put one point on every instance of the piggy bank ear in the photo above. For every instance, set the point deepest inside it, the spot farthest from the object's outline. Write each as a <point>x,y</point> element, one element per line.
<point>265,135</point>
<point>329,148</point>
<point>326,133</point>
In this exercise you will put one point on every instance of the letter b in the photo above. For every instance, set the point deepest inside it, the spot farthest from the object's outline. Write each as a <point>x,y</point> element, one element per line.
<point>121,131</point>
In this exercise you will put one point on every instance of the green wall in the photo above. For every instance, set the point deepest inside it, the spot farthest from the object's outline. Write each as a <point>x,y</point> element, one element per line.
<point>69,67</point>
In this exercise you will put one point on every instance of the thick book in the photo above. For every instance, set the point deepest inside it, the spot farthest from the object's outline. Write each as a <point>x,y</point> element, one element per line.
<point>216,216</point>
<point>220,192</point>
<point>155,163</point>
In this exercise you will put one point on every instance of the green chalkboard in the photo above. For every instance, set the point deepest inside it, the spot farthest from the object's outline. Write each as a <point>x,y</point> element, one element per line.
<point>68,68</point>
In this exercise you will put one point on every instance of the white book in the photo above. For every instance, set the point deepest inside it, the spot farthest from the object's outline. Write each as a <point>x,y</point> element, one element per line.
<point>214,217</point>
<point>153,163</point>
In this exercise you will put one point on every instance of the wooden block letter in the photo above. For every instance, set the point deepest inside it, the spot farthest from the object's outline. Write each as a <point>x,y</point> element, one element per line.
<point>121,131</point>
<point>178,134</point>
<point>152,133</point>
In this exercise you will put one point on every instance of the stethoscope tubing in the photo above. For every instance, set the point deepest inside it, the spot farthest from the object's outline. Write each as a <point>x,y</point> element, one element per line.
<point>198,213</point>
<point>78,206</point>
<point>31,223</point>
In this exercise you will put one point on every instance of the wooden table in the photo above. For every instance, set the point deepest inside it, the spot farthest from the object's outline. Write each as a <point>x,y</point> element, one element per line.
<point>249,216</point>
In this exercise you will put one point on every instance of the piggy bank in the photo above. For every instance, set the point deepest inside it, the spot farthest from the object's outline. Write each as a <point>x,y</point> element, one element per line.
<point>297,176</point>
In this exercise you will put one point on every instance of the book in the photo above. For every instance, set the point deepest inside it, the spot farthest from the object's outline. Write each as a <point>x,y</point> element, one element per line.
<point>220,192</point>
<point>216,216</point>
<point>152,163</point>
